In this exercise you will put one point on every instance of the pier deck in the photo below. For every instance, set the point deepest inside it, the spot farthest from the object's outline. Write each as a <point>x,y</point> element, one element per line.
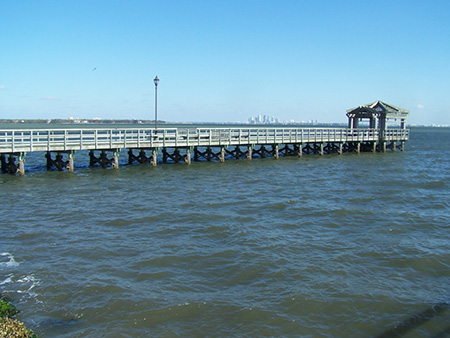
<point>303,140</point>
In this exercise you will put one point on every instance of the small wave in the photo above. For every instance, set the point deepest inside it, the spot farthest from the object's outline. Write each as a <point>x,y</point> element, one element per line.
<point>27,284</point>
<point>30,279</point>
<point>8,261</point>
<point>434,185</point>
<point>23,285</point>
<point>8,280</point>
<point>282,205</point>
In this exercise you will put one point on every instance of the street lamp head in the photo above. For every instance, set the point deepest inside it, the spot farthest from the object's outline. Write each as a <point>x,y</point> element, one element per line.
<point>156,81</point>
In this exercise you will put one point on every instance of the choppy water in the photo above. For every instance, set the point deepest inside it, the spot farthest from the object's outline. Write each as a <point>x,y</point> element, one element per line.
<point>332,246</point>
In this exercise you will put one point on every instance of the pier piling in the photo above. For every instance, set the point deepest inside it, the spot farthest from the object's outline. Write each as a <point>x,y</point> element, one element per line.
<point>275,150</point>
<point>249,153</point>
<point>21,169</point>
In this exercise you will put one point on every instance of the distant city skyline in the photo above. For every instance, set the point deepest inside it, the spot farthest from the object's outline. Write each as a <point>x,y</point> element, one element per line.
<point>262,119</point>
<point>271,119</point>
<point>223,61</point>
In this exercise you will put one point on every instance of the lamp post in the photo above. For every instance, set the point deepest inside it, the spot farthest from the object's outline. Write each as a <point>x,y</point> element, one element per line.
<point>156,81</point>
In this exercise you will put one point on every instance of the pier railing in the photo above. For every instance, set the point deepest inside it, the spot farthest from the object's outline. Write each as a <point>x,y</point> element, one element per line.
<point>16,140</point>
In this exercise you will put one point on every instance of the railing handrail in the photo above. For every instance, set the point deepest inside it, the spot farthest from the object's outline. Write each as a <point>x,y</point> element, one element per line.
<point>59,139</point>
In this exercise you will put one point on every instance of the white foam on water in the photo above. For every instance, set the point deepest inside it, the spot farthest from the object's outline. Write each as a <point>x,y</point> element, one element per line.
<point>8,280</point>
<point>21,285</point>
<point>28,283</point>
<point>11,262</point>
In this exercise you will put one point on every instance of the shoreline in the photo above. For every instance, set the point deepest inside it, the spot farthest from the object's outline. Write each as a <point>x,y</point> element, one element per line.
<point>9,325</point>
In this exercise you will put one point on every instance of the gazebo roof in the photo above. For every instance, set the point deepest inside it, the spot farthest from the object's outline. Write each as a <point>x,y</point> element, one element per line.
<point>378,109</point>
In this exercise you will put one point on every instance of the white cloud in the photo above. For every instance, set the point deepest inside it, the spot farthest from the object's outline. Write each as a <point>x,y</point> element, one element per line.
<point>420,106</point>
<point>2,87</point>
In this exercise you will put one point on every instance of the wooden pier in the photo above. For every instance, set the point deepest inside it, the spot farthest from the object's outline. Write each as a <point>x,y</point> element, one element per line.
<point>147,145</point>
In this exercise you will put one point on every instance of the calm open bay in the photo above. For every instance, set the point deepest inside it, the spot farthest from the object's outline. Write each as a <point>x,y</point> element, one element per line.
<point>332,246</point>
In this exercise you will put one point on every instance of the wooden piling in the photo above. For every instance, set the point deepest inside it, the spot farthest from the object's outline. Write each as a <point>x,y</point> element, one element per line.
<point>9,166</point>
<point>115,161</point>
<point>21,168</point>
<point>249,153</point>
<point>3,163</point>
<point>188,156</point>
<point>300,151</point>
<point>275,149</point>
<point>70,166</point>
<point>154,157</point>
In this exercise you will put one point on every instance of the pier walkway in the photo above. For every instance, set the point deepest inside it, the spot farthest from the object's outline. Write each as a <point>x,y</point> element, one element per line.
<point>180,144</point>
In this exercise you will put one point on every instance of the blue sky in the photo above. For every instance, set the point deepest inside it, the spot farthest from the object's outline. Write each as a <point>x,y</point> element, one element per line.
<point>223,60</point>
